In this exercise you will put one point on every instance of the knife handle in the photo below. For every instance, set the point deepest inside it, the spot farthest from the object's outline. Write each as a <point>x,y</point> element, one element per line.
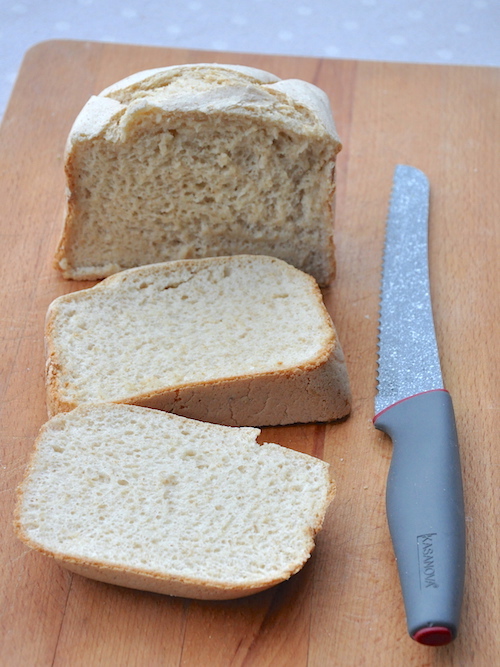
<point>425,512</point>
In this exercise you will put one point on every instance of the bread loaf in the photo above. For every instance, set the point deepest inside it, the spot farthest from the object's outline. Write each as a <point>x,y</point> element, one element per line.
<point>241,341</point>
<point>153,501</point>
<point>200,160</point>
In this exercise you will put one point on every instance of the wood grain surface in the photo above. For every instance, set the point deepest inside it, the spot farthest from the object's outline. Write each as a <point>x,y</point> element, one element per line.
<point>344,608</point>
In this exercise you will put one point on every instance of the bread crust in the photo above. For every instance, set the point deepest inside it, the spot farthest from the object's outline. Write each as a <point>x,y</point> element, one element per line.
<point>161,76</point>
<point>316,392</point>
<point>163,584</point>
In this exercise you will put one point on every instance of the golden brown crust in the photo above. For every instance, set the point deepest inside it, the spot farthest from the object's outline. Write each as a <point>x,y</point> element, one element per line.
<point>177,586</point>
<point>160,583</point>
<point>318,392</point>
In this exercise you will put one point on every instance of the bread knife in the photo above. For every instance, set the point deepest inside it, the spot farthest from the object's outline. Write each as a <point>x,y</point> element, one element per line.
<point>424,495</point>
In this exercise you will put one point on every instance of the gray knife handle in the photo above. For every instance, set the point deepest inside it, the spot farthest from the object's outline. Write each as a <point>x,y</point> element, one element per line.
<point>425,512</point>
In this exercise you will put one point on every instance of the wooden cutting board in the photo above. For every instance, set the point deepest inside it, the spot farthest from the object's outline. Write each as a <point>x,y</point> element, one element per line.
<point>344,607</point>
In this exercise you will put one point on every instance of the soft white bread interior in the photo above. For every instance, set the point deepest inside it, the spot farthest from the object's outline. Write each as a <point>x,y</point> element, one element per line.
<point>153,501</point>
<point>240,340</point>
<point>200,160</point>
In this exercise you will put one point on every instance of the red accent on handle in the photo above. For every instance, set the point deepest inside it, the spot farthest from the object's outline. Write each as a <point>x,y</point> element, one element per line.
<point>434,636</point>
<point>401,400</point>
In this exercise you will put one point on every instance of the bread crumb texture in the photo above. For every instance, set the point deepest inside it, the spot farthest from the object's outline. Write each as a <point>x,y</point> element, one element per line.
<point>160,502</point>
<point>219,322</point>
<point>198,161</point>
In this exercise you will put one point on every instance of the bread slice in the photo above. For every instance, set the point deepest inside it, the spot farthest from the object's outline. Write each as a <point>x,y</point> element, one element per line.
<point>153,501</point>
<point>198,161</point>
<point>241,341</point>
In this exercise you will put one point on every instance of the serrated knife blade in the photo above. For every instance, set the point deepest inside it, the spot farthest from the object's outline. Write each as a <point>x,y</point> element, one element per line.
<point>408,354</point>
<point>424,498</point>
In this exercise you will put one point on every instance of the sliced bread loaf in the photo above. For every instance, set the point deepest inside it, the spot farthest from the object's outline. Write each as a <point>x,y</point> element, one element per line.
<point>200,160</point>
<point>241,341</point>
<point>153,501</point>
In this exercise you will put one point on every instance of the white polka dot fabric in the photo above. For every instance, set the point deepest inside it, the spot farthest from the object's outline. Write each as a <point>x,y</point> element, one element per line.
<point>465,32</point>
